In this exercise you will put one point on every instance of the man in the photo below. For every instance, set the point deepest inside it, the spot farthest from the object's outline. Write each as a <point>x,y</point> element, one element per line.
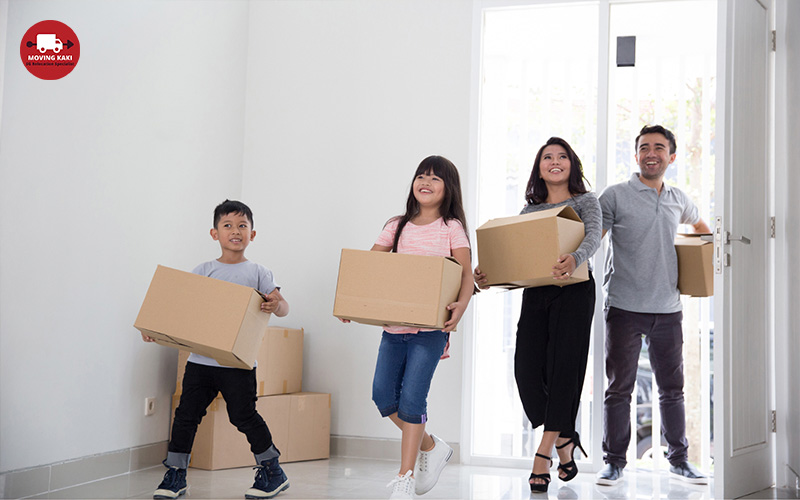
<point>642,298</point>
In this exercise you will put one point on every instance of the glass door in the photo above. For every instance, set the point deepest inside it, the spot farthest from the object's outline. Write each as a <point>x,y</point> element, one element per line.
<point>538,79</point>
<point>550,69</point>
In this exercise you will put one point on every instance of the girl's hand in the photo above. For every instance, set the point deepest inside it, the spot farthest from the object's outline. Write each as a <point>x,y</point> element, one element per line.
<point>565,266</point>
<point>344,320</point>
<point>456,311</point>
<point>480,279</point>
<point>147,338</point>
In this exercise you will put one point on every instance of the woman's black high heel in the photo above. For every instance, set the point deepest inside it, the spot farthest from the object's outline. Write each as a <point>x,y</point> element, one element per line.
<point>541,487</point>
<point>570,469</point>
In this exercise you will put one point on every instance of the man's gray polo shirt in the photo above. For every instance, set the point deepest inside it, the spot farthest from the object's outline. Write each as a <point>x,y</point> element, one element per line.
<point>641,272</point>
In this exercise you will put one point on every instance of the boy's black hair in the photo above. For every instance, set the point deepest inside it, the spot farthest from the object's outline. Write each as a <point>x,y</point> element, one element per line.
<point>536,192</point>
<point>232,207</point>
<point>658,129</point>
<point>451,207</point>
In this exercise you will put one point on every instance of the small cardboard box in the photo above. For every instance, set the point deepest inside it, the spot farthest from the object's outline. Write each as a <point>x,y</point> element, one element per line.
<point>695,265</point>
<point>211,317</point>
<point>520,251</point>
<point>382,288</point>
<point>280,363</point>
<point>299,423</point>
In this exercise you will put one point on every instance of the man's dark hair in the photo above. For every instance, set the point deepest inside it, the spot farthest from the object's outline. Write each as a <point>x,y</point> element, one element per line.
<point>658,129</point>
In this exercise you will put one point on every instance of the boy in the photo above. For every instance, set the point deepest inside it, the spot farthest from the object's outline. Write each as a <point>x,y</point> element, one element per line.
<point>205,378</point>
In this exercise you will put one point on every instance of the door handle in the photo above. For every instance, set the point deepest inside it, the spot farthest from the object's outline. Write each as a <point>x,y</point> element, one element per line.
<point>729,238</point>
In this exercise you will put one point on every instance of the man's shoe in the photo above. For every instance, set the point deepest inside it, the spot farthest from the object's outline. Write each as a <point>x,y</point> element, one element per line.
<point>610,475</point>
<point>402,487</point>
<point>173,485</point>
<point>270,480</point>
<point>686,472</point>
<point>430,464</point>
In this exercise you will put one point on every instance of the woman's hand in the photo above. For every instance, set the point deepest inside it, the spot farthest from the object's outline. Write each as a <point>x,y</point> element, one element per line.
<point>480,279</point>
<point>565,266</point>
<point>148,338</point>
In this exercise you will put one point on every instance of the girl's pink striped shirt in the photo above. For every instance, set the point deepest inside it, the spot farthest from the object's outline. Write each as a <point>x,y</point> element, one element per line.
<point>437,239</point>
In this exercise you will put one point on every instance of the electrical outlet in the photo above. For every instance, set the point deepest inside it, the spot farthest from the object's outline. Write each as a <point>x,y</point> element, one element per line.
<point>149,406</point>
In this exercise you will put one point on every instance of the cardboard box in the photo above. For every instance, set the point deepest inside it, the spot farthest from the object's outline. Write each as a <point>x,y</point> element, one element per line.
<point>211,317</point>
<point>309,427</point>
<point>299,424</point>
<point>382,288</point>
<point>695,265</point>
<point>520,251</point>
<point>280,362</point>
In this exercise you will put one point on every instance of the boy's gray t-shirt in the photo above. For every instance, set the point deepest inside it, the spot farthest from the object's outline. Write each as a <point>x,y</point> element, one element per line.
<point>641,272</point>
<point>245,273</point>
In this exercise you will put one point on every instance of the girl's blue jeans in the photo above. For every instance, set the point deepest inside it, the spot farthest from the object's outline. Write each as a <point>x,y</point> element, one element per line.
<point>404,371</point>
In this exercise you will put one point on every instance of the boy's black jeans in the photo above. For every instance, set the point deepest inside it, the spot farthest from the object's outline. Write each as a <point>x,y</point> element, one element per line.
<point>201,384</point>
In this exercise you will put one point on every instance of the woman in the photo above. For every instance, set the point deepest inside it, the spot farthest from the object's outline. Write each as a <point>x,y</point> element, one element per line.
<point>556,321</point>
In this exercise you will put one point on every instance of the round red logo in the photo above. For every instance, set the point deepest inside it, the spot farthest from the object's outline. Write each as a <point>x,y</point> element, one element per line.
<point>50,50</point>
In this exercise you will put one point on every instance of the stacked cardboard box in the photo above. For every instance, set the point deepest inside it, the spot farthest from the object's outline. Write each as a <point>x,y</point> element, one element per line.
<point>298,421</point>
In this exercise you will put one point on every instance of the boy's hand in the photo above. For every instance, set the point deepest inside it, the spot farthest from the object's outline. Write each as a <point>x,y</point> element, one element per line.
<point>147,338</point>
<point>273,302</point>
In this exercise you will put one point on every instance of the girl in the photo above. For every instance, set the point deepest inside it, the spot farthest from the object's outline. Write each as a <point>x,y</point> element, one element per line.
<point>555,322</point>
<point>434,224</point>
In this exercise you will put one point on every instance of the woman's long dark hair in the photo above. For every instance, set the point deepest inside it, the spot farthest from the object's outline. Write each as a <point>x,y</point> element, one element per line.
<point>536,192</point>
<point>451,207</point>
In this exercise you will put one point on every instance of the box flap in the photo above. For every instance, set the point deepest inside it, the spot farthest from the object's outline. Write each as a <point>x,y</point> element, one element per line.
<point>565,212</point>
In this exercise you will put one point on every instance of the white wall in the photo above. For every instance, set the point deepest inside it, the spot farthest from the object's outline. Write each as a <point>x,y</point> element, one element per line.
<point>116,168</point>
<point>344,99</point>
<point>103,175</point>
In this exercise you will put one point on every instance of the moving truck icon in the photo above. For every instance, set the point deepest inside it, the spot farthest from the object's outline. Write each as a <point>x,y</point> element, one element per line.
<point>45,42</point>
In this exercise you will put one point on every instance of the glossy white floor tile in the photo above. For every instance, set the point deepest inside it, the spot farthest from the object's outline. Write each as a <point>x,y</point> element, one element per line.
<point>343,478</point>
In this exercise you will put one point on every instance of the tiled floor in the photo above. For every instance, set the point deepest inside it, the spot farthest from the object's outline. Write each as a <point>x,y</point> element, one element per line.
<point>342,478</point>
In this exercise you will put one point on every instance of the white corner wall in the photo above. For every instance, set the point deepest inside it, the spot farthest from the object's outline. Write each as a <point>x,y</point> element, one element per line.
<point>103,175</point>
<point>344,99</point>
<point>116,168</point>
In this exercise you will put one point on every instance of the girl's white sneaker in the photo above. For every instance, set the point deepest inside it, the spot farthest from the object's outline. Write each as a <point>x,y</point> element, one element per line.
<point>430,464</point>
<point>402,486</point>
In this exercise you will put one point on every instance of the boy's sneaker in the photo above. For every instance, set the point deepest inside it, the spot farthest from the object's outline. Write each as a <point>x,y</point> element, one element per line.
<point>270,480</point>
<point>402,487</point>
<point>173,485</point>
<point>430,464</point>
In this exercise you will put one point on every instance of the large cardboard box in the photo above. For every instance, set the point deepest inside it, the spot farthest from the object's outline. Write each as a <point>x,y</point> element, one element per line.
<point>211,317</point>
<point>520,251</point>
<point>382,288</point>
<point>280,362</point>
<point>695,265</point>
<point>299,424</point>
